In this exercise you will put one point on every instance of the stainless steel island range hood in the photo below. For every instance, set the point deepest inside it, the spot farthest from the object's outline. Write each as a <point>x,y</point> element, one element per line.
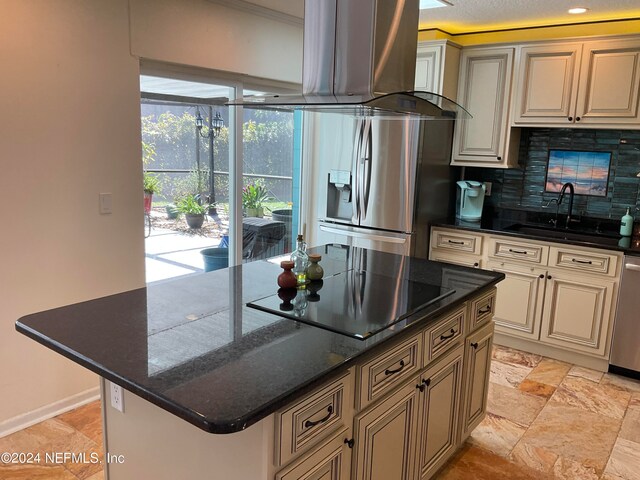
<point>360,59</point>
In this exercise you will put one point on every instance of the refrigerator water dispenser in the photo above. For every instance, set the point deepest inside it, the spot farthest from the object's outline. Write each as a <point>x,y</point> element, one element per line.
<point>339,195</point>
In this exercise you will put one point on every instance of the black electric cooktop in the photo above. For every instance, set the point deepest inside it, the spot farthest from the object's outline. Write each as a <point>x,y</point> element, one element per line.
<point>356,303</point>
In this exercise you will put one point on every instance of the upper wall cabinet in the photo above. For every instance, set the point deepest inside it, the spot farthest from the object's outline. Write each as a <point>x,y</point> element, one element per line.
<point>594,83</point>
<point>609,83</point>
<point>547,83</point>
<point>484,90</point>
<point>437,66</point>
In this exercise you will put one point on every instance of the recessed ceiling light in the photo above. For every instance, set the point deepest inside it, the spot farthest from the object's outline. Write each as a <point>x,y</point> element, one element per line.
<point>424,4</point>
<point>577,10</point>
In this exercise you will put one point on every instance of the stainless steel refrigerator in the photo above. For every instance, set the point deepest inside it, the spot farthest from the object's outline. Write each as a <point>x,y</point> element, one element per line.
<point>382,181</point>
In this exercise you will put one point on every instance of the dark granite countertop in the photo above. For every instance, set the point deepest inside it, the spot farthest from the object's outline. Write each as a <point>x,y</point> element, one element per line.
<point>587,232</point>
<point>193,347</point>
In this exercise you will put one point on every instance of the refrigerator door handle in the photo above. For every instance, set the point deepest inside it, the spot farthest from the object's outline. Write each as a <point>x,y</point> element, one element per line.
<point>366,167</point>
<point>356,171</point>
<point>368,236</point>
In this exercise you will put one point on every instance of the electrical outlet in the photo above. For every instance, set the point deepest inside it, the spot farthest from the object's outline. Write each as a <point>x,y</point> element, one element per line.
<point>487,191</point>
<point>105,204</point>
<point>117,397</point>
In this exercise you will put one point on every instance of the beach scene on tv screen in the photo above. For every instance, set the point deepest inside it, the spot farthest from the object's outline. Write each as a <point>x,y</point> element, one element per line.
<point>588,171</point>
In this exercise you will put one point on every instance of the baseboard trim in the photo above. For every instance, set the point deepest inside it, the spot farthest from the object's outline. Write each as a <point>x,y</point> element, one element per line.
<point>48,411</point>
<point>532,346</point>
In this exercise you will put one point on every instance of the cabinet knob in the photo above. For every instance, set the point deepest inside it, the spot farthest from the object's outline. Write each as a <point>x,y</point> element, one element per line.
<point>499,158</point>
<point>571,119</point>
<point>476,264</point>
<point>474,345</point>
<point>541,275</point>
<point>548,277</point>
<point>349,442</point>
<point>577,119</point>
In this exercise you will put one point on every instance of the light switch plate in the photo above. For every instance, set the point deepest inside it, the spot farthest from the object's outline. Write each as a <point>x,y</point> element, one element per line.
<point>105,204</point>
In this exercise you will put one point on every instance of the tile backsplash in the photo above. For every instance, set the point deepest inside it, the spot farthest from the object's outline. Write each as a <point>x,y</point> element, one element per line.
<point>524,187</point>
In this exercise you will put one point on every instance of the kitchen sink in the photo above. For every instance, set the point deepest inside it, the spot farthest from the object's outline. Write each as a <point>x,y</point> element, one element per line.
<point>565,234</point>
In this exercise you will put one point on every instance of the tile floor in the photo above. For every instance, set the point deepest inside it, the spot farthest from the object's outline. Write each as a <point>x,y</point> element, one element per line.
<point>547,420</point>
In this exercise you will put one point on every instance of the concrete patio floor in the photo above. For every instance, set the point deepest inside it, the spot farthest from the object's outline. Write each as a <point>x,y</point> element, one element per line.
<point>170,254</point>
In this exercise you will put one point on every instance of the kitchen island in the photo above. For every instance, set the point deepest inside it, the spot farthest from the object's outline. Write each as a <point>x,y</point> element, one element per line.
<point>295,399</point>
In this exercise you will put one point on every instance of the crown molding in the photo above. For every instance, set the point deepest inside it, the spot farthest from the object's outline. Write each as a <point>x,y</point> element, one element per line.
<point>248,7</point>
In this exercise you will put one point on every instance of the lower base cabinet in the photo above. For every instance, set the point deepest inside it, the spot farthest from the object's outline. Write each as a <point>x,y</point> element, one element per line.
<point>330,461</point>
<point>439,402</point>
<point>476,378</point>
<point>385,437</point>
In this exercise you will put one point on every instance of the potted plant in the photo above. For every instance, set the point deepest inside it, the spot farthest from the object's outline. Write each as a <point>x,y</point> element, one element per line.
<point>151,185</point>
<point>193,210</point>
<point>253,196</point>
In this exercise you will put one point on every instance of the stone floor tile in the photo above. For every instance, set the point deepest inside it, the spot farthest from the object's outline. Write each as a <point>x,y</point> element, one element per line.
<point>536,388</point>
<point>35,472</point>
<point>587,373</point>
<point>55,436</point>
<point>497,435</point>
<point>473,463</point>
<point>507,374</point>
<point>625,460</point>
<point>97,476</point>
<point>574,433</point>
<point>550,372</point>
<point>635,399</point>
<point>628,384</point>
<point>567,469</point>
<point>593,397</point>
<point>515,357</point>
<point>538,458</point>
<point>513,404</point>
<point>631,425</point>
<point>86,419</point>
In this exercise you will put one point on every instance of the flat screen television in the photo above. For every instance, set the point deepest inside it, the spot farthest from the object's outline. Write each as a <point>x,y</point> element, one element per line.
<point>587,171</point>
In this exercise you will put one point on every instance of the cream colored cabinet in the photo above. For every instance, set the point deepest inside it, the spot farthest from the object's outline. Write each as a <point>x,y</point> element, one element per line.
<point>330,461</point>
<point>521,296</point>
<point>477,360</point>
<point>578,311</point>
<point>385,437</point>
<point>592,83</point>
<point>456,246</point>
<point>437,65</point>
<point>547,84</point>
<point>439,393</point>
<point>484,89</point>
<point>609,83</point>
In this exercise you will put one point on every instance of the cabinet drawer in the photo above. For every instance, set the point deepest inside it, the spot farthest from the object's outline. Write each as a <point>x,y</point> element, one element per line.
<point>383,372</point>
<point>458,241</point>
<point>307,422</point>
<point>445,335</point>
<point>482,310</point>
<point>583,260</point>
<point>456,258</point>
<point>515,250</point>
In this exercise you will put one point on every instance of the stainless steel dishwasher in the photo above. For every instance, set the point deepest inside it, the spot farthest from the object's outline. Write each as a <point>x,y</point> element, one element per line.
<point>625,348</point>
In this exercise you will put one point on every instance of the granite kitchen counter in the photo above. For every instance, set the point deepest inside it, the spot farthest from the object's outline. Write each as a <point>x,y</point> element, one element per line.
<point>193,347</point>
<point>587,232</point>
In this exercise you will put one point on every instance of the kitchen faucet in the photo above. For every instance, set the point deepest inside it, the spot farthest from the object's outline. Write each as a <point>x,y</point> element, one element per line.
<point>568,185</point>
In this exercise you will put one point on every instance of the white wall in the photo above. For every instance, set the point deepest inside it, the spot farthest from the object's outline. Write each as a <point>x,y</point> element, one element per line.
<point>205,34</point>
<point>70,129</point>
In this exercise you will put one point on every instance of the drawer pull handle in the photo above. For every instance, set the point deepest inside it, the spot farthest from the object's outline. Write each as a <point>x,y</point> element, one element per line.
<point>586,262</point>
<point>310,423</point>
<point>445,337</point>
<point>520,252</point>
<point>349,443</point>
<point>485,310</point>
<point>391,372</point>
<point>474,345</point>
<point>455,243</point>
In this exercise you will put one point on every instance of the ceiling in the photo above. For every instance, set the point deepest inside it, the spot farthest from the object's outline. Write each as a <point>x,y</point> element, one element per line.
<point>481,15</point>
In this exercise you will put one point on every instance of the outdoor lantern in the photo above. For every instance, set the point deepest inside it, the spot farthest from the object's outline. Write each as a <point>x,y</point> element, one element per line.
<point>216,124</point>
